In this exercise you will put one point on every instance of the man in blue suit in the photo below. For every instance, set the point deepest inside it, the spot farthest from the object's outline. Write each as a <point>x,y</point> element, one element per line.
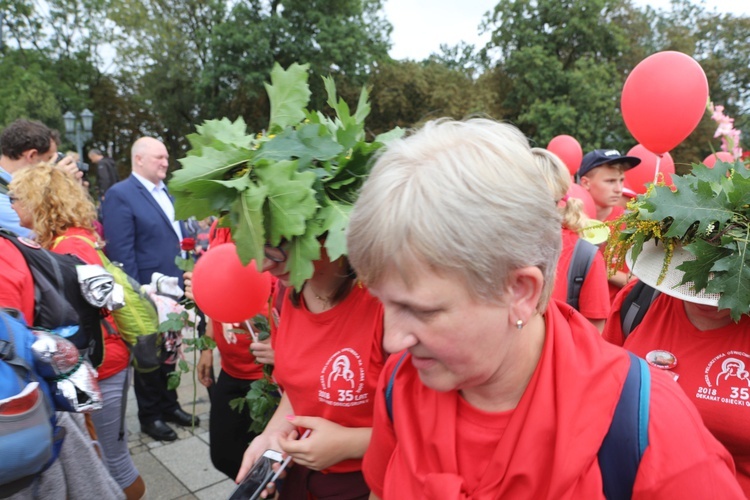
<point>142,234</point>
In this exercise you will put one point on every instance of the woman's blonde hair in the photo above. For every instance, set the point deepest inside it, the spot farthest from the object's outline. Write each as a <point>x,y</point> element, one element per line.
<point>556,175</point>
<point>463,197</point>
<point>55,201</point>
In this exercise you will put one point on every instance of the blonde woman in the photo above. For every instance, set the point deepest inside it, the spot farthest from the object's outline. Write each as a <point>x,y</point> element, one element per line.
<point>60,213</point>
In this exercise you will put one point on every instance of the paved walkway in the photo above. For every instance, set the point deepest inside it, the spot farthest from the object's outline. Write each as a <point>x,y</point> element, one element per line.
<point>179,469</point>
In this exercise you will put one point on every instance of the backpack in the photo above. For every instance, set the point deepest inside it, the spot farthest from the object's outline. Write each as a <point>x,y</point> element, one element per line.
<point>635,305</point>
<point>137,322</point>
<point>580,263</point>
<point>59,304</point>
<point>626,440</point>
<point>30,440</point>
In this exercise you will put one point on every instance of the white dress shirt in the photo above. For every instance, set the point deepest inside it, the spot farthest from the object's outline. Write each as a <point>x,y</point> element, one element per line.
<point>159,192</point>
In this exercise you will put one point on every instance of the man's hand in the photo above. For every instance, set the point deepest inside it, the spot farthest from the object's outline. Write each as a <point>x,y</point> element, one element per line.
<point>68,165</point>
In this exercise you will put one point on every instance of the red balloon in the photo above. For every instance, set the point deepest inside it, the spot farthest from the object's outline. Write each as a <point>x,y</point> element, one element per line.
<point>663,100</point>
<point>568,150</point>
<point>589,207</point>
<point>638,178</point>
<point>227,291</point>
<point>724,156</point>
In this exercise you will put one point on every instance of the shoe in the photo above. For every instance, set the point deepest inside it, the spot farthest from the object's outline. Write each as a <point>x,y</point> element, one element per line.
<point>181,417</point>
<point>159,431</point>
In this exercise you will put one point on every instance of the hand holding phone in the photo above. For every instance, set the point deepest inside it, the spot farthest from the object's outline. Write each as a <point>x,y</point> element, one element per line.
<point>258,477</point>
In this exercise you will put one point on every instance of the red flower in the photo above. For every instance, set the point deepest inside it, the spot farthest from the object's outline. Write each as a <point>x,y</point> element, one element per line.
<point>187,244</point>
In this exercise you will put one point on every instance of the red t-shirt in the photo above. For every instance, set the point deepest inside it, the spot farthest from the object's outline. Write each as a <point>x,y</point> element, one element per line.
<point>236,359</point>
<point>329,363</point>
<point>594,298</point>
<point>438,447</point>
<point>16,281</point>
<point>713,368</point>
<point>116,354</point>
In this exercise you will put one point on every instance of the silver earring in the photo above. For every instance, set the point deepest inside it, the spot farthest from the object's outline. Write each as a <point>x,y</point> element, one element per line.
<point>519,324</point>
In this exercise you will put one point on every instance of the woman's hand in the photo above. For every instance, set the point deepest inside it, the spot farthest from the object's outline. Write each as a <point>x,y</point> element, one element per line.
<point>205,367</point>
<point>262,351</point>
<point>279,425</point>
<point>255,449</point>
<point>328,444</point>
<point>187,279</point>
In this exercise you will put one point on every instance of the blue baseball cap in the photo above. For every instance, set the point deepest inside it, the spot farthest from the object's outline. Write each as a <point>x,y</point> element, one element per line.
<point>599,157</point>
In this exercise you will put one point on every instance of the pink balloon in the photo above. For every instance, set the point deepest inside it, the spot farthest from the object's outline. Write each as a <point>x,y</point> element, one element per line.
<point>638,178</point>
<point>227,291</point>
<point>589,207</point>
<point>568,150</point>
<point>664,99</point>
<point>724,156</point>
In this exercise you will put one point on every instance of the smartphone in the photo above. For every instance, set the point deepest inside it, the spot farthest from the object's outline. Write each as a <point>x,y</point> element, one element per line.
<point>259,476</point>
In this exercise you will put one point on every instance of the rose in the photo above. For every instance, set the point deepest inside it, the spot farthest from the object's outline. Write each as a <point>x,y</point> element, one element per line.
<point>187,244</point>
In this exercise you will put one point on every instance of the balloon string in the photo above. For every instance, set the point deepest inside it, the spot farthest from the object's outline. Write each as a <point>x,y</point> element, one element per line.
<point>656,172</point>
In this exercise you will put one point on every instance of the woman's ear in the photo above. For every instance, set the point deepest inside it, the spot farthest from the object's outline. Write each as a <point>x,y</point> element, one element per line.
<point>525,289</point>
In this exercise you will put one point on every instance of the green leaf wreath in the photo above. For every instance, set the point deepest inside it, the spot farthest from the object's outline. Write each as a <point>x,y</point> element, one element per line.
<point>294,182</point>
<point>708,214</point>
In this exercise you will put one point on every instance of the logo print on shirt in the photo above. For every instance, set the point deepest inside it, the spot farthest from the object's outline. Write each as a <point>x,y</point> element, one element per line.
<point>727,379</point>
<point>342,380</point>
<point>733,368</point>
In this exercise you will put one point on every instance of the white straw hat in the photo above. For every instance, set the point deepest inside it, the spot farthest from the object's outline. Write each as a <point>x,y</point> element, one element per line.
<point>648,268</point>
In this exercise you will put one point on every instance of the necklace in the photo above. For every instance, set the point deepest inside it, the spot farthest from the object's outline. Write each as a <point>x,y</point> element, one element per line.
<point>325,300</point>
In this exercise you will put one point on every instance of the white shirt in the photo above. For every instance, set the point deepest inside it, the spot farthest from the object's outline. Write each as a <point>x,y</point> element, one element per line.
<point>159,192</point>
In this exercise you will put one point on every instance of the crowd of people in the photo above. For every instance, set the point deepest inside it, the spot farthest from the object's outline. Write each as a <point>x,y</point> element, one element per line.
<point>455,352</point>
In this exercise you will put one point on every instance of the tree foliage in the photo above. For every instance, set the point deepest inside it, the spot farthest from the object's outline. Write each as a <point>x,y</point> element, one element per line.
<point>560,65</point>
<point>158,67</point>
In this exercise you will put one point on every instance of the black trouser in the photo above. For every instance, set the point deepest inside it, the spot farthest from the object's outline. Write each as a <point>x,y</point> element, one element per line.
<point>228,429</point>
<point>154,399</point>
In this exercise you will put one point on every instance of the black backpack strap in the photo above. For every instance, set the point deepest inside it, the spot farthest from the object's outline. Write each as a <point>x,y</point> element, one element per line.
<point>3,186</point>
<point>635,306</point>
<point>626,441</point>
<point>389,387</point>
<point>580,263</point>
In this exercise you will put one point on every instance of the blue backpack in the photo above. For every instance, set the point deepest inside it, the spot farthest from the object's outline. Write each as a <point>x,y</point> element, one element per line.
<point>30,441</point>
<point>627,438</point>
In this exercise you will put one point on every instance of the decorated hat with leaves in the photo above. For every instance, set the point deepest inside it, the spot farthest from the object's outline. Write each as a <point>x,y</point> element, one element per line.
<point>293,183</point>
<point>705,218</point>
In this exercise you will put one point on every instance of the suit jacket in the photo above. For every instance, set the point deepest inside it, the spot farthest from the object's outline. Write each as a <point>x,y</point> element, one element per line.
<point>139,234</point>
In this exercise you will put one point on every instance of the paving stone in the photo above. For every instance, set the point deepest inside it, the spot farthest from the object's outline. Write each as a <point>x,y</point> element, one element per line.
<point>189,460</point>
<point>219,490</point>
<point>138,448</point>
<point>161,484</point>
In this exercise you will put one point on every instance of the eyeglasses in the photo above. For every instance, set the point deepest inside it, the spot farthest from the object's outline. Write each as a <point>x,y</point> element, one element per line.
<point>274,254</point>
<point>12,198</point>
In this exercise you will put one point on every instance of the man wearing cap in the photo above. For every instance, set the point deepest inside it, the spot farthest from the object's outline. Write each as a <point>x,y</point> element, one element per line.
<point>602,174</point>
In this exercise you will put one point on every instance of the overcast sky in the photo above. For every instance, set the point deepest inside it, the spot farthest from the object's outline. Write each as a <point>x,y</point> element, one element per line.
<point>420,26</point>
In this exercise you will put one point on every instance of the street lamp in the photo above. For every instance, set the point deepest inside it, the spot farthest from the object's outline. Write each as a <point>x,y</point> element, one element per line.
<point>77,130</point>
